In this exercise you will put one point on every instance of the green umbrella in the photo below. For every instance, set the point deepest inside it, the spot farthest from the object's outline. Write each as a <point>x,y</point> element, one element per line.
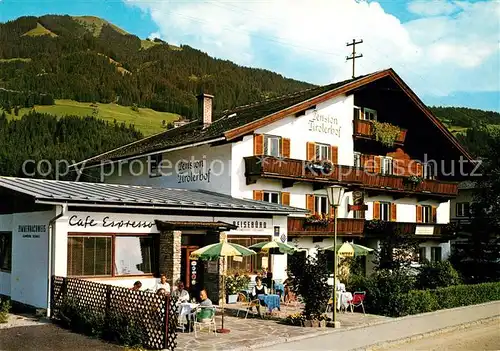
<point>221,250</point>
<point>267,246</point>
<point>350,250</point>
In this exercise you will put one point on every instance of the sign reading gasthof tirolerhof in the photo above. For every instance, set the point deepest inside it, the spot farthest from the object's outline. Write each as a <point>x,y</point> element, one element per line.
<point>31,231</point>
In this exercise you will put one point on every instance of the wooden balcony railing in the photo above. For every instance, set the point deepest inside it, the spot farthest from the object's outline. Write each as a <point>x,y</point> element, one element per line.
<point>300,170</point>
<point>420,230</point>
<point>364,129</point>
<point>345,226</point>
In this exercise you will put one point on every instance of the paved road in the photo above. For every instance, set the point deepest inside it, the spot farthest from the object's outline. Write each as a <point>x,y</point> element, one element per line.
<point>479,337</point>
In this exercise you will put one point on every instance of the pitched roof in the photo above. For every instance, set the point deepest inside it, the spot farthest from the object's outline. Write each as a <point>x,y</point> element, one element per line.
<point>98,194</point>
<point>245,119</point>
<point>228,120</point>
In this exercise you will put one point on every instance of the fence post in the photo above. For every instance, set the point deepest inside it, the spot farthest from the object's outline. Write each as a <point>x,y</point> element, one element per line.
<point>166,327</point>
<point>107,311</point>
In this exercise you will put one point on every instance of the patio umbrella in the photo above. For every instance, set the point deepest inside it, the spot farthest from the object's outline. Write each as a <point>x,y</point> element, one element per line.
<point>350,249</point>
<point>267,246</point>
<point>221,250</point>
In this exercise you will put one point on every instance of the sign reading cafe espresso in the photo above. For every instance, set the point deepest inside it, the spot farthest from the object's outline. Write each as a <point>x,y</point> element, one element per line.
<point>107,222</point>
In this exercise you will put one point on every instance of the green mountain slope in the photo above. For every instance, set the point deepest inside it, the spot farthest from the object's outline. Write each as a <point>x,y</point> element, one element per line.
<point>461,118</point>
<point>88,59</point>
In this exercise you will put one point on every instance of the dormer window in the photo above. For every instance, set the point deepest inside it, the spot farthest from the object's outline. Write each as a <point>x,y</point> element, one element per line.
<point>369,114</point>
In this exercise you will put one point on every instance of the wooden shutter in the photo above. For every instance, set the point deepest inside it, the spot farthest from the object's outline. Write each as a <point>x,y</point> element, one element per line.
<point>258,195</point>
<point>367,162</point>
<point>377,164</point>
<point>419,214</point>
<point>332,211</point>
<point>310,202</point>
<point>376,210</point>
<point>334,151</point>
<point>285,198</point>
<point>258,144</point>
<point>434,214</point>
<point>420,170</point>
<point>393,212</point>
<point>310,151</point>
<point>285,147</point>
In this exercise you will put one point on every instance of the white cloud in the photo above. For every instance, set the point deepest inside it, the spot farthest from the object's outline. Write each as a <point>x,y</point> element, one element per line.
<point>432,7</point>
<point>435,54</point>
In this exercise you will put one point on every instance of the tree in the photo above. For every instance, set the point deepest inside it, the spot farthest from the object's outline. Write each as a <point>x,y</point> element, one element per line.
<point>478,258</point>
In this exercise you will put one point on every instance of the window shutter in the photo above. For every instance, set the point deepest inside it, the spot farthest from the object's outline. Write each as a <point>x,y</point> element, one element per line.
<point>434,214</point>
<point>258,144</point>
<point>419,214</point>
<point>310,202</point>
<point>376,210</point>
<point>334,154</point>
<point>377,164</point>
<point>285,148</point>
<point>332,211</point>
<point>419,170</point>
<point>258,195</point>
<point>367,162</point>
<point>393,212</point>
<point>285,198</point>
<point>310,151</point>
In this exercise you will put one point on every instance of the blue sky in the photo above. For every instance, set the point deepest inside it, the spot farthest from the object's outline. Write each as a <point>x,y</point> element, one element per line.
<point>447,51</point>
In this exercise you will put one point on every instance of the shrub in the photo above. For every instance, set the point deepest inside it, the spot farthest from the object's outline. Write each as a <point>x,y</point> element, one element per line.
<point>4,310</point>
<point>420,301</point>
<point>387,290</point>
<point>125,331</point>
<point>236,283</point>
<point>295,319</point>
<point>356,282</point>
<point>437,274</point>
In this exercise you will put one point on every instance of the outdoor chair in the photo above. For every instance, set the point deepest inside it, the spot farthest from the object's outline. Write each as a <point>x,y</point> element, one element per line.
<point>247,304</point>
<point>357,300</point>
<point>207,321</point>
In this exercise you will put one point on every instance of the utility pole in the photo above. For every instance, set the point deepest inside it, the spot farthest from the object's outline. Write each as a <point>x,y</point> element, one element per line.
<point>353,56</point>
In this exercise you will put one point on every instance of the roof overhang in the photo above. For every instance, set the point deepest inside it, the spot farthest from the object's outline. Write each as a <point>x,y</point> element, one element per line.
<point>183,225</point>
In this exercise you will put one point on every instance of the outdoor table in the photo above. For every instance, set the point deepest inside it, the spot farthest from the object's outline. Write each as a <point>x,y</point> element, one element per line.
<point>185,309</point>
<point>272,301</point>
<point>343,299</point>
<point>279,287</point>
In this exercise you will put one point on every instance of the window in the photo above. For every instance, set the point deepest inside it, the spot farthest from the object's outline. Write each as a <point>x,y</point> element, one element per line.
<point>5,252</point>
<point>427,214</point>
<point>385,211</point>
<point>272,196</point>
<point>357,160</point>
<point>463,209</point>
<point>422,254</point>
<point>386,165</point>
<point>359,214</point>
<point>369,114</point>
<point>436,254</point>
<point>272,145</point>
<point>247,264</point>
<point>357,113</point>
<point>323,152</point>
<point>430,170</point>
<point>93,255</point>
<point>155,165</point>
<point>321,204</point>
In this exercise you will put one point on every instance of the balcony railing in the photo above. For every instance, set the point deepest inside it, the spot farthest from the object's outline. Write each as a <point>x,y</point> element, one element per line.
<point>420,230</point>
<point>300,170</point>
<point>345,226</point>
<point>364,128</point>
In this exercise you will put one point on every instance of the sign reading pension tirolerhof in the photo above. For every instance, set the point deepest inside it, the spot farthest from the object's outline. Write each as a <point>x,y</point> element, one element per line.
<point>325,124</point>
<point>193,172</point>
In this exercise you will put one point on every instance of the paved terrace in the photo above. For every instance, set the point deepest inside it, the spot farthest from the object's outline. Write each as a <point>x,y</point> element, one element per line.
<point>252,331</point>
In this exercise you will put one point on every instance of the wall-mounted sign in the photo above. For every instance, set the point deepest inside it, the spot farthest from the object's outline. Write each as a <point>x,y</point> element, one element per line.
<point>249,224</point>
<point>276,231</point>
<point>265,262</point>
<point>212,267</point>
<point>31,231</point>
<point>283,238</point>
<point>424,230</point>
<point>193,171</point>
<point>107,222</point>
<point>324,124</point>
<point>358,197</point>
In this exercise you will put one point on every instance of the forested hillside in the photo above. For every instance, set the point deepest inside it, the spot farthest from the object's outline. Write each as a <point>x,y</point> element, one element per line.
<point>465,117</point>
<point>90,60</point>
<point>39,137</point>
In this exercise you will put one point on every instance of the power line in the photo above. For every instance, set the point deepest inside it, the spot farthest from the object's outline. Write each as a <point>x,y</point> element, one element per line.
<point>353,56</point>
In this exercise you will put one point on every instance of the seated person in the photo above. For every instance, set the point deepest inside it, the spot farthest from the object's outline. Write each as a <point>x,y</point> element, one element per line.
<point>204,312</point>
<point>161,292</point>
<point>258,289</point>
<point>289,296</point>
<point>162,284</point>
<point>137,286</point>
<point>180,293</point>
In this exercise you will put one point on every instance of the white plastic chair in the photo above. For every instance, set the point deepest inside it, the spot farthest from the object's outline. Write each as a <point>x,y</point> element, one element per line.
<point>205,322</point>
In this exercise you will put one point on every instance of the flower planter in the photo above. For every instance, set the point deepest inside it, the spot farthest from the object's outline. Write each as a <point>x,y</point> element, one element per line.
<point>233,298</point>
<point>314,323</point>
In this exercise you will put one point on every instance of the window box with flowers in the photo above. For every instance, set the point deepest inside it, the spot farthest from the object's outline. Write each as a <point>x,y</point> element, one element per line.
<point>413,181</point>
<point>321,219</point>
<point>388,134</point>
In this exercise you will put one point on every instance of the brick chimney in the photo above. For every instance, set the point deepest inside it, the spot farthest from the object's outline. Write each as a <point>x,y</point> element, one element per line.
<point>205,102</point>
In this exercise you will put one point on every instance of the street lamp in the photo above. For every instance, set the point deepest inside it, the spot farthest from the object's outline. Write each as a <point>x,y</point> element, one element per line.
<point>335,194</point>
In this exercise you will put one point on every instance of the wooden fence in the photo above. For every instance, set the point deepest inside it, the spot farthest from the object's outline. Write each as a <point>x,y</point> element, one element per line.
<point>114,309</point>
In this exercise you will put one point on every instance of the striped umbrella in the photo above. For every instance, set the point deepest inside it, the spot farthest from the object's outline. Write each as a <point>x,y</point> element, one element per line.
<point>267,246</point>
<point>350,250</point>
<point>221,250</point>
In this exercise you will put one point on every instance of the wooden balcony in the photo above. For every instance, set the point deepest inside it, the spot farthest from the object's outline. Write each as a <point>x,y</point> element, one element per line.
<point>364,129</point>
<point>292,170</point>
<point>345,227</point>
<point>426,231</point>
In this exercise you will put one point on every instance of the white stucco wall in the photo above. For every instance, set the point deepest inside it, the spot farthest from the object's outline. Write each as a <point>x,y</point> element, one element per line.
<point>5,277</point>
<point>213,163</point>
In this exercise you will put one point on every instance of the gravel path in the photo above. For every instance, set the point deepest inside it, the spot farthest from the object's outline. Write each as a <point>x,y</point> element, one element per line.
<point>478,337</point>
